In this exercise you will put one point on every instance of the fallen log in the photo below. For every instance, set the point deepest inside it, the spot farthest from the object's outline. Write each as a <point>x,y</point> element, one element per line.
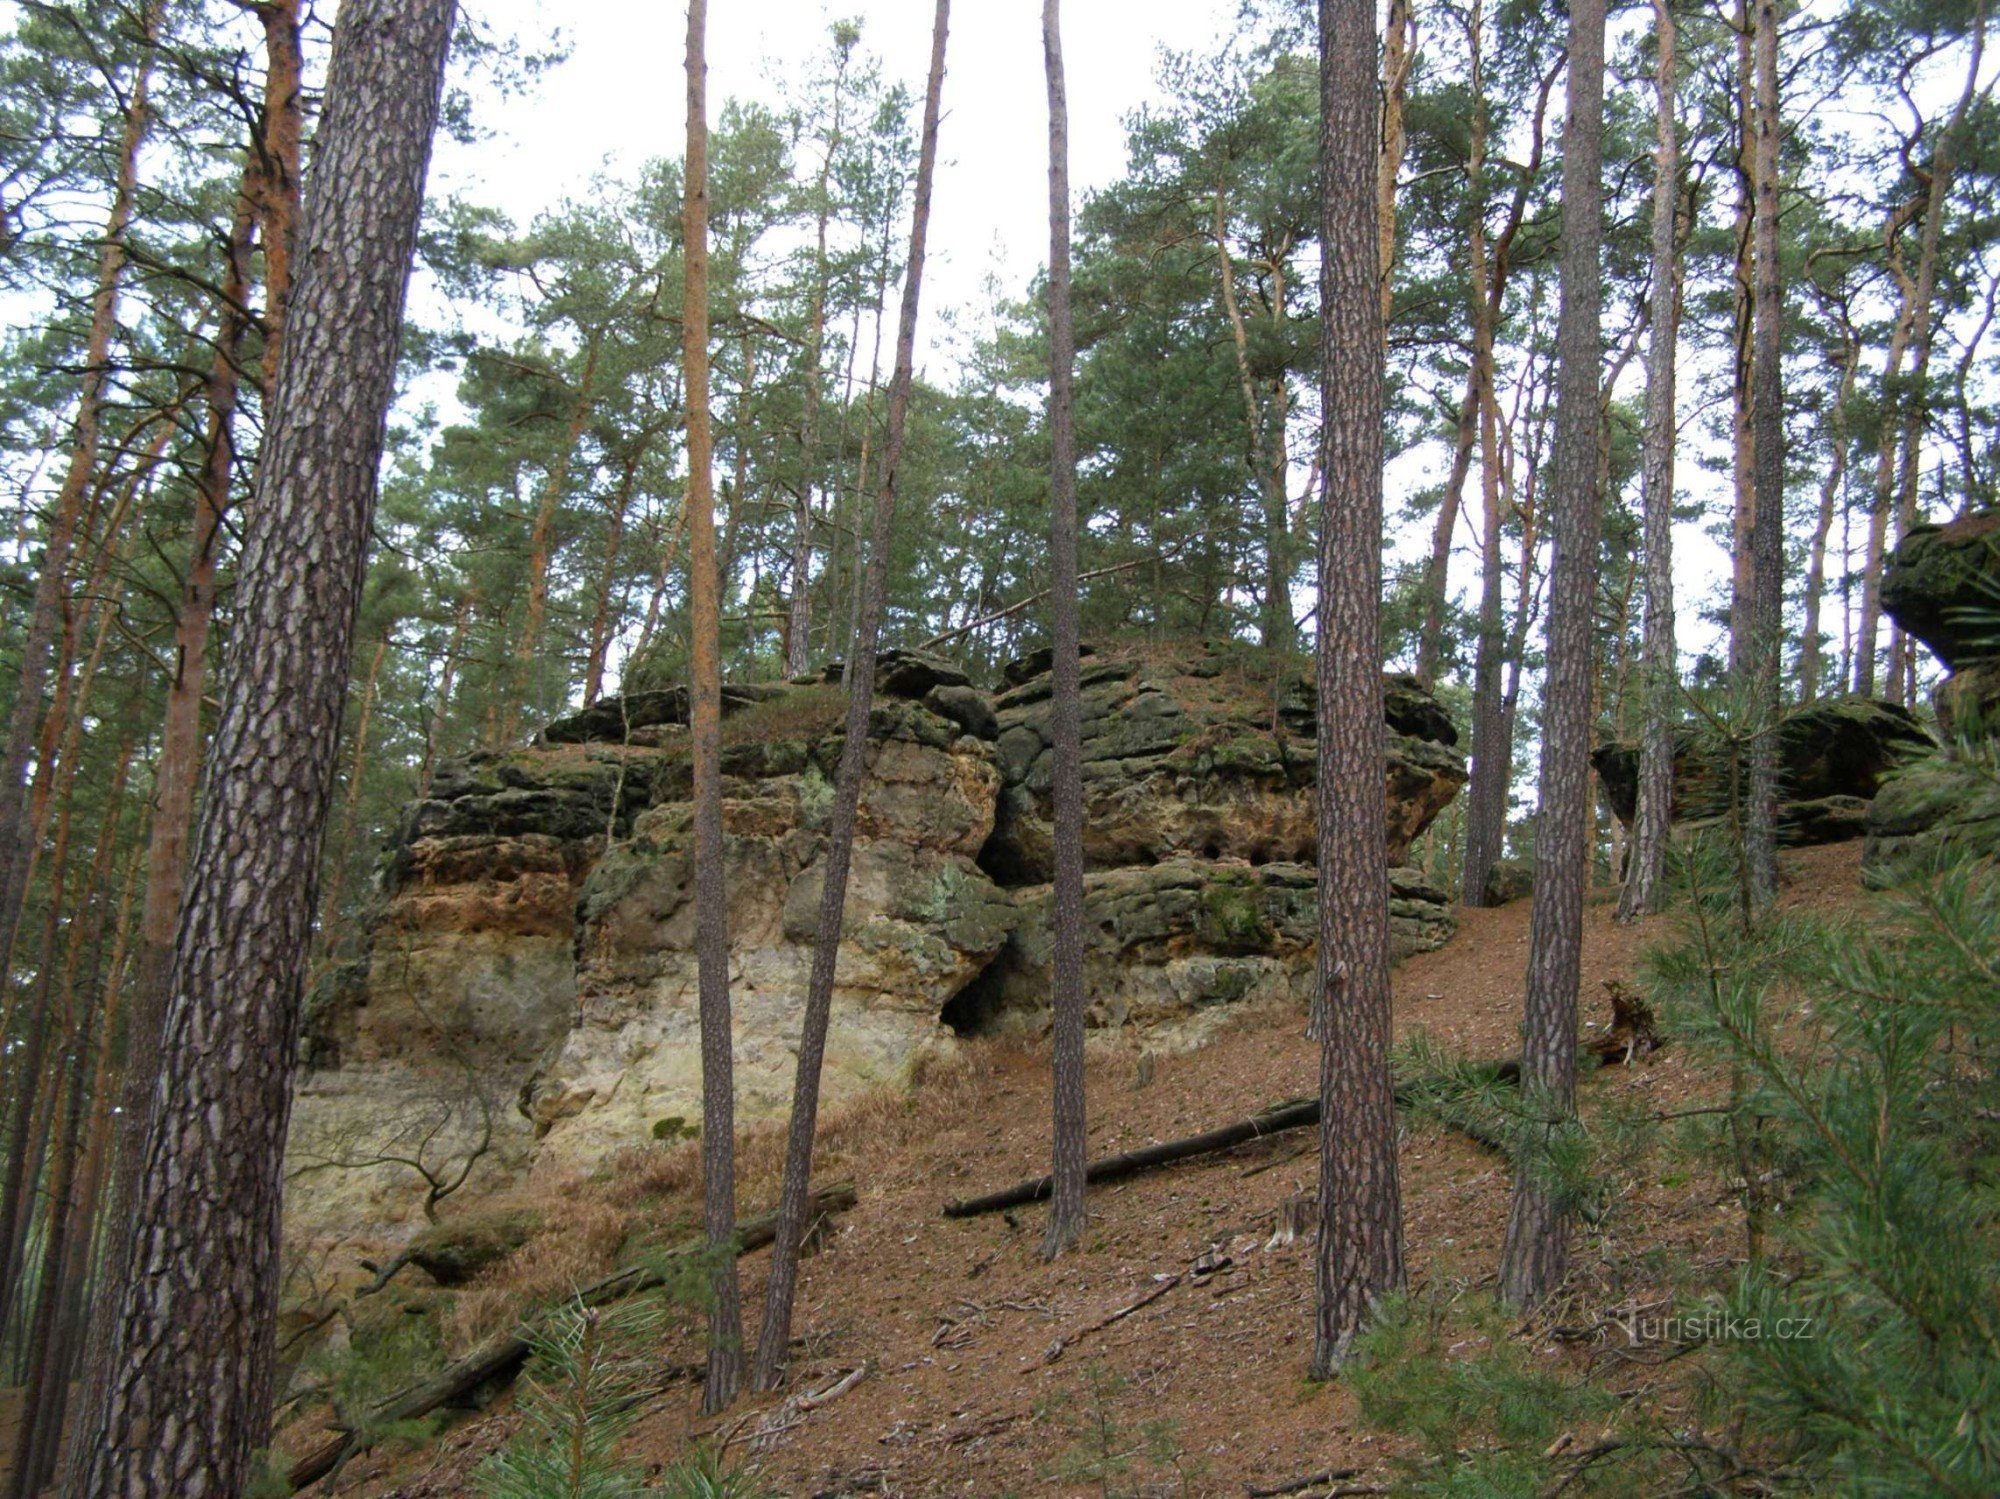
<point>1296,1114</point>
<point>1633,1031</point>
<point>503,1353</point>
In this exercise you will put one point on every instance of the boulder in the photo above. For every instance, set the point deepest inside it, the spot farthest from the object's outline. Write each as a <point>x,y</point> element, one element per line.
<point>903,673</point>
<point>1932,812</point>
<point>1832,754</point>
<point>1509,880</point>
<point>1037,663</point>
<point>1172,948</point>
<point>1176,765</point>
<point>1968,701</point>
<point>1942,585</point>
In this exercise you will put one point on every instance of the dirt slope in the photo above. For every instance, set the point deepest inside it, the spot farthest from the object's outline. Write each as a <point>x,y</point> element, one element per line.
<point>1202,1390</point>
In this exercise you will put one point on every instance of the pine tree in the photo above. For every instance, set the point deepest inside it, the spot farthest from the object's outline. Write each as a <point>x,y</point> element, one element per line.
<point>1535,1254</point>
<point>193,1346</point>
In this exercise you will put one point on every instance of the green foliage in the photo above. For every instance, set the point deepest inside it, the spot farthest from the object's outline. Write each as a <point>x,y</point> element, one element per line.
<point>1484,1406</point>
<point>1861,1067</point>
<point>701,1475</point>
<point>1107,1453</point>
<point>594,1365</point>
<point>673,1129</point>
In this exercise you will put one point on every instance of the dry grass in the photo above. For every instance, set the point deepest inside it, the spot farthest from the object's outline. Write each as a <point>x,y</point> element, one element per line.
<point>579,1241</point>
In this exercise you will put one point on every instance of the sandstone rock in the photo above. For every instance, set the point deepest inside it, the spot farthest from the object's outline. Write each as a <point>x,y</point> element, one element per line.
<point>453,1252</point>
<point>1509,880</point>
<point>900,673</point>
<point>1037,663</point>
<point>967,707</point>
<point>612,720</point>
<point>1968,701</point>
<point>1942,585</point>
<point>1174,768</point>
<point>922,921</point>
<point>1171,948</point>
<point>1831,753</point>
<point>1931,812</point>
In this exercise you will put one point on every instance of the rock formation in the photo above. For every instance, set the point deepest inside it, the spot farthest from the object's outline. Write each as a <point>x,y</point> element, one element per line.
<point>528,1000</point>
<point>1834,756</point>
<point>1942,585</point>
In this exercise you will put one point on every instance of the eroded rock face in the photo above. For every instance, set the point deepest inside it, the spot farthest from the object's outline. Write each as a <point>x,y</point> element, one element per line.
<point>530,996</point>
<point>1939,584</point>
<point>1834,756</point>
<point>923,920</point>
<point>1942,585</point>
<point>1171,948</point>
<point>1175,767</point>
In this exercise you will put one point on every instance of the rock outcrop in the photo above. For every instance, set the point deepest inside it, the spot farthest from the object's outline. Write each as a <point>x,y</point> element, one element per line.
<point>1180,762</point>
<point>1834,756</point>
<point>528,1001</point>
<point>1942,585</point>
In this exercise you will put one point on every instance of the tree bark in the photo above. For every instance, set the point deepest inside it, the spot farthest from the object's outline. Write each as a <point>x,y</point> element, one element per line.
<point>1767,617</point>
<point>1915,406</point>
<point>1811,666</point>
<point>1536,1250</point>
<point>1868,628</point>
<point>1645,871</point>
<point>1360,1256</point>
<point>718,1089</point>
<point>52,576</point>
<point>1398,56</point>
<point>192,1358</point>
<point>798,634</point>
<point>1066,1209</point>
<point>1743,434</point>
<point>774,1339</point>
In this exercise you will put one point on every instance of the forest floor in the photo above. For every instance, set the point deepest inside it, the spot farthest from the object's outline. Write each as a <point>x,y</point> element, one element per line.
<point>960,1326</point>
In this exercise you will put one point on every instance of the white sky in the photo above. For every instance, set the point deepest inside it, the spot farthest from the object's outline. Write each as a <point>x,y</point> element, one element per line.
<point>619,101</point>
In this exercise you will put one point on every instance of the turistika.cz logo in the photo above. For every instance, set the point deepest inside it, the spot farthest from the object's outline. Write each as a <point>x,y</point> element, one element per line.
<point>1715,1327</point>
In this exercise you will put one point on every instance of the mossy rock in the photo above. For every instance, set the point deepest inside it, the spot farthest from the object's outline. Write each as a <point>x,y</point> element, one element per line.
<point>1942,584</point>
<point>453,1252</point>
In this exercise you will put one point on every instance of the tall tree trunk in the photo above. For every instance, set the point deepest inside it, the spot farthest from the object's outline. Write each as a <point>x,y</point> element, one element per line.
<point>192,1358</point>
<point>1915,407</point>
<point>1360,1255</point>
<point>1398,55</point>
<point>1659,671</point>
<point>282,127</point>
<point>718,1086</point>
<point>541,544</point>
<point>1537,1245</point>
<point>52,575</point>
<point>1811,666</point>
<point>1743,434</point>
<point>1492,749</point>
<point>794,1199</point>
<point>1868,627</point>
<point>1066,1209</point>
<point>607,580</point>
<point>1768,534</point>
<point>798,634</point>
<point>1437,567</point>
<point>1267,460</point>
<point>175,776</point>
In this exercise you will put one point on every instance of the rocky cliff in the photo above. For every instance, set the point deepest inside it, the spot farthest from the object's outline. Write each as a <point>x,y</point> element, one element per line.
<point>1942,585</point>
<point>529,1003</point>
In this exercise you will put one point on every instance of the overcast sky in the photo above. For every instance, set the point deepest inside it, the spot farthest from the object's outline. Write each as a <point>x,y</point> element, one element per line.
<point>619,100</point>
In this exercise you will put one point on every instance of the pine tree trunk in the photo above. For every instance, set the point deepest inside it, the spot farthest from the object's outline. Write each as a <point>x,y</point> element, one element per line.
<point>1659,669</point>
<point>192,1362</point>
<point>1267,461</point>
<point>1437,567</point>
<point>1398,56</point>
<point>1360,1256</point>
<point>541,545</point>
<point>1811,666</point>
<point>52,574</point>
<point>1768,532</point>
<point>718,1087</point>
<point>607,582</point>
<point>283,126</point>
<point>1867,630</point>
<point>794,1198</point>
<point>1536,1250</point>
<point>798,633</point>
<point>1492,742</point>
<point>1916,405</point>
<point>1743,433</point>
<point>1066,1208</point>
